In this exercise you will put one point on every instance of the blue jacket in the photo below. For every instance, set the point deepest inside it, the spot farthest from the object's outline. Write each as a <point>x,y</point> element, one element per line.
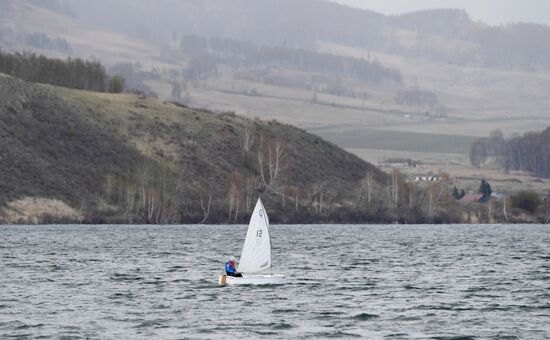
<point>229,269</point>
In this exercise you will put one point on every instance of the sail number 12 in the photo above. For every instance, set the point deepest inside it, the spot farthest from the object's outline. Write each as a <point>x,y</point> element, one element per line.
<point>259,233</point>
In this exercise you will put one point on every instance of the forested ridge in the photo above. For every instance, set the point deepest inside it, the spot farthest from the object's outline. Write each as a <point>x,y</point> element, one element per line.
<point>301,23</point>
<point>242,54</point>
<point>74,73</point>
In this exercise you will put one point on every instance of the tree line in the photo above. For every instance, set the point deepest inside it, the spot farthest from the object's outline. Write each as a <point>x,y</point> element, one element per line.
<point>74,73</point>
<point>530,152</point>
<point>42,41</point>
<point>507,46</point>
<point>241,54</point>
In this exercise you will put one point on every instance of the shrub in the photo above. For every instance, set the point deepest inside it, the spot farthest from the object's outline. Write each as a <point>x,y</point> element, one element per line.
<point>526,200</point>
<point>116,84</point>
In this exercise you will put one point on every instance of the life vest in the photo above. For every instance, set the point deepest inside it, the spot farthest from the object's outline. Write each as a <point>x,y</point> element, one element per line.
<point>229,269</point>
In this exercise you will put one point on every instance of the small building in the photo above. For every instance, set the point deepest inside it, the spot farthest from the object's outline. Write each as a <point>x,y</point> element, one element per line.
<point>427,179</point>
<point>473,198</point>
<point>497,195</point>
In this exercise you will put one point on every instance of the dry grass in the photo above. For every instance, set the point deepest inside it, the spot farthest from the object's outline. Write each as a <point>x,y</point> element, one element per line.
<point>34,210</point>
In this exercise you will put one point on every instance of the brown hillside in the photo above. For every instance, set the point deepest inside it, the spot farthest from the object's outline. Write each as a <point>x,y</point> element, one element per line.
<point>130,158</point>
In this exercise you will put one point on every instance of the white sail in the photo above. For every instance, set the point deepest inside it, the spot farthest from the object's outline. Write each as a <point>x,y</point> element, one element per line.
<point>256,254</point>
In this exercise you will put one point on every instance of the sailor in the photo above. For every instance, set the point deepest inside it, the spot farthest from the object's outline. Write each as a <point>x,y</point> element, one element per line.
<point>230,268</point>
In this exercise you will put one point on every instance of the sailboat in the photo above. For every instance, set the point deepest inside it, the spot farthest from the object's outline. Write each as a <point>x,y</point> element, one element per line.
<point>255,263</point>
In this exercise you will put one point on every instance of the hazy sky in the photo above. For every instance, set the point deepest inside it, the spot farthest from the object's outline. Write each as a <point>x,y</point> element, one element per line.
<point>490,11</point>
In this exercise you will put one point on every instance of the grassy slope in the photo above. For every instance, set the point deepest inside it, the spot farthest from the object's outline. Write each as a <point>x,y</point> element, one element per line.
<point>53,149</point>
<point>478,99</point>
<point>61,143</point>
<point>401,140</point>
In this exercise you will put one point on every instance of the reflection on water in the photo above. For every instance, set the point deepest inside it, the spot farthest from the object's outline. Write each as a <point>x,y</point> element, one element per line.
<point>343,281</point>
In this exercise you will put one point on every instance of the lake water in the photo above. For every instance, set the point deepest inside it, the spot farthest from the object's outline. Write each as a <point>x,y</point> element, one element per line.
<point>394,282</point>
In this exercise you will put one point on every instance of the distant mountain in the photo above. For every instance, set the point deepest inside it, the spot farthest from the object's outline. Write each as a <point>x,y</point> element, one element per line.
<point>275,22</point>
<point>301,23</point>
<point>451,23</point>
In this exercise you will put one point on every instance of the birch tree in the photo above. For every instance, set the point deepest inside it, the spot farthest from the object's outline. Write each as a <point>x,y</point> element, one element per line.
<point>394,188</point>
<point>271,163</point>
<point>234,196</point>
<point>366,191</point>
<point>205,200</point>
<point>109,179</point>
<point>247,139</point>
<point>547,209</point>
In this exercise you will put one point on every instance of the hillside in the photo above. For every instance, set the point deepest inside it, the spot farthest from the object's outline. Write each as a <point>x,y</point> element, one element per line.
<point>128,158</point>
<point>460,78</point>
<point>420,86</point>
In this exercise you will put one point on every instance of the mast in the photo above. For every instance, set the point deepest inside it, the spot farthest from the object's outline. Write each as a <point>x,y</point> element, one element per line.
<point>270,243</point>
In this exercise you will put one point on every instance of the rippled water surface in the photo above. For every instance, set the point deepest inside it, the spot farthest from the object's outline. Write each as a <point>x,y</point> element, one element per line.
<point>343,281</point>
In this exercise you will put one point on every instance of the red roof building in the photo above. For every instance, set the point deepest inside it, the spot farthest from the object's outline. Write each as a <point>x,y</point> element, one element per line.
<point>472,198</point>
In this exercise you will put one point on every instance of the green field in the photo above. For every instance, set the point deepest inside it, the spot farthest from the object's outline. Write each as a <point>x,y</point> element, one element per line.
<point>401,141</point>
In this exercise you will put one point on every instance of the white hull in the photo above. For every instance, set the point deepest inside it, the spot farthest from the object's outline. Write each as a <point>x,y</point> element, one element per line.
<point>252,280</point>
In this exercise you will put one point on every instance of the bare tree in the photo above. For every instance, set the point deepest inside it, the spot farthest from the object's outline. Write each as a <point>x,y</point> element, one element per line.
<point>439,194</point>
<point>143,179</point>
<point>248,198</point>
<point>155,206</point>
<point>271,163</point>
<point>248,139</point>
<point>395,183</point>
<point>109,186</point>
<point>504,208</point>
<point>316,197</point>
<point>233,205</point>
<point>367,190</point>
<point>130,201</point>
<point>234,195</point>
<point>430,202</point>
<point>490,212</point>
<point>291,193</point>
<point>205,205</point>
<point>547,209</point>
